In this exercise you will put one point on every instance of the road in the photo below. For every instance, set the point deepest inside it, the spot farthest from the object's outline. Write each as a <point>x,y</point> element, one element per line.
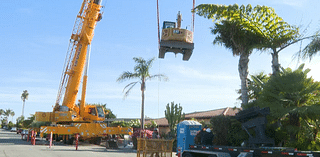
<point>11,145</point>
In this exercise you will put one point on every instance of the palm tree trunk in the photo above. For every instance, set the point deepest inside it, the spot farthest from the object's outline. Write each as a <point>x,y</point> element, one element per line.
<point>23,107</point>
<point>243,73</point>
<point>294,121</point>
<point>275,62</point>
<point>142,103</point>
<point>142,111</point>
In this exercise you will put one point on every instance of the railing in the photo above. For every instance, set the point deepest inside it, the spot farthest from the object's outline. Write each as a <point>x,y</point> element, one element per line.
<point>154,147</point>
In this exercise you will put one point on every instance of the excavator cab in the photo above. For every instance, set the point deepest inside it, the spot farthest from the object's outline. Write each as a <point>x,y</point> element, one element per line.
<point>168,24</point>
<point>176,40</point>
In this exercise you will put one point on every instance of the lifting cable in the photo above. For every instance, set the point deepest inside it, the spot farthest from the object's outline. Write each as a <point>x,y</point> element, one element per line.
<point>158,21</point>
<point>194,1</point>
<point>158,18</point>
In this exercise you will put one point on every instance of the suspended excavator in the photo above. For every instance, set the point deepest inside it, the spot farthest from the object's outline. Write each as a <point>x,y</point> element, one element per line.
<point>175,39</point>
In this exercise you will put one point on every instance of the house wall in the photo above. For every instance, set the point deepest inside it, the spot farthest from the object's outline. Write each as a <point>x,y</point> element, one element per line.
<point>164,130</point>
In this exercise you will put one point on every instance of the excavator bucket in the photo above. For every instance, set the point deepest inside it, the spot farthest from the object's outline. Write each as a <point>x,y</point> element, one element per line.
<point>184,48</point>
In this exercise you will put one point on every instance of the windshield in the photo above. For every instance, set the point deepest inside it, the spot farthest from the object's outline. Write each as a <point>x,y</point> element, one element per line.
<point>100,112</point>
<point>167,24</point>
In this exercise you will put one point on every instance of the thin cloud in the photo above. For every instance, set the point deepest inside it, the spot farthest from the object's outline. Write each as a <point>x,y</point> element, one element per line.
<point>192,73</point>
<point>25,11</point>
<point>294,3</point>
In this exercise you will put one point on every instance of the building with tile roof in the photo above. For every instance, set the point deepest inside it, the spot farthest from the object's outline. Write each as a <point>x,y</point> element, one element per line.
<point>204,116</point>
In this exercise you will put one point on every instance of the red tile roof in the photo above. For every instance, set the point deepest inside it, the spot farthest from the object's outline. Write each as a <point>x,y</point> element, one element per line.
<point>200,115</point>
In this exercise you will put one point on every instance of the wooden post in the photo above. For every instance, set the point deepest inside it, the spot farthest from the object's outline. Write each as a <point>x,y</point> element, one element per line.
<point>32,137</point>
<point>77,141</point>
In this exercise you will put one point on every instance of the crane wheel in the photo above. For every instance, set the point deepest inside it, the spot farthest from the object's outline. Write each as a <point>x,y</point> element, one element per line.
<point>97,140</point>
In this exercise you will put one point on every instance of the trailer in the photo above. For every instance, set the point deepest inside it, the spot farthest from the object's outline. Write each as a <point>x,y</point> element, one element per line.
<point>257,146</point>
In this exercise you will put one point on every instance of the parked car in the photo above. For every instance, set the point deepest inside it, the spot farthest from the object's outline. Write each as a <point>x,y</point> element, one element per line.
<point>13,129</point>
<point>24,134</point>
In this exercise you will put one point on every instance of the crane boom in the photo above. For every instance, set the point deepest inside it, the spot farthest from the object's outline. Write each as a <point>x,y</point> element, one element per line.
<point>81,38</point>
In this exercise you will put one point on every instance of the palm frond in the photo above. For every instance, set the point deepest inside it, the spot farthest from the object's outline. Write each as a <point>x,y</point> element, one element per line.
<point>132,84</point>
<point>127,75</point>
<point>311,49</point>
<point>141,72</point>
<point>143,66</point>
<point>159,76</point>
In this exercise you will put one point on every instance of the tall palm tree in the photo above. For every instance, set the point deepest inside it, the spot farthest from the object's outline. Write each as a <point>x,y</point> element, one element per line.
<point>7,114</point>
<point>1,112</point>
<point>24,97</point>
<point>233,36</point>
<point>12,114</point>
<point>141,72</point>
<point>262,20</point>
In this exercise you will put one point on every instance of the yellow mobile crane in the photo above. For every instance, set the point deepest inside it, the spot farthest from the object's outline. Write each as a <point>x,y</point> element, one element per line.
<point>68,118</point>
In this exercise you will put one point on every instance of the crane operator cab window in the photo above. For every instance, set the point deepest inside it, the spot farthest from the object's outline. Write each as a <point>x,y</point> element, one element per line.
<point>93,111</point>
<point>100,111</point>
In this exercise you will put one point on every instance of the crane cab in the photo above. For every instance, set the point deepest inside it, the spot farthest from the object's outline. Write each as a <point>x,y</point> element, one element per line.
<point>176,40</point>
<point>96,113</point>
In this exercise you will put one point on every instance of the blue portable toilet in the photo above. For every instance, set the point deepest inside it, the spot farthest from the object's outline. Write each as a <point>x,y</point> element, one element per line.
<point>186,132</point>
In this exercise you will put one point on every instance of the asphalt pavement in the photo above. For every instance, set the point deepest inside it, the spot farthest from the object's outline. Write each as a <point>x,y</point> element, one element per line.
<point>11,145</point>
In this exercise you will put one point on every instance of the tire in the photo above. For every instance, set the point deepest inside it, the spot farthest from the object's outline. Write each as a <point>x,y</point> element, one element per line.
<point>97,140</point>
<point>70,141</point>
<point>65,139</point>
<point>187,155</point>
<point>58,138</point>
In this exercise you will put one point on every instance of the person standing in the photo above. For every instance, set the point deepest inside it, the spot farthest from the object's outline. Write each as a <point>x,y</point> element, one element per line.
<point>208,137</point>
<point>202,134</point>
<point>155,134</point>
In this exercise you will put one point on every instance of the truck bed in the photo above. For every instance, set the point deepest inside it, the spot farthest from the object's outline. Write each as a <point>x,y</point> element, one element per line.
<point>202,150</point>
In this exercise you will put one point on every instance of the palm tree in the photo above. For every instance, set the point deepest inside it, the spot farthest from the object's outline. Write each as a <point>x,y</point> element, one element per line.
<point>24,97</point>
<point>1,112</point>
<point>141,72</point>
<point>12,114</point>
<point>293,98</point>
<point>233,36</point>
<point>262,20</point>
<point>7,114</point>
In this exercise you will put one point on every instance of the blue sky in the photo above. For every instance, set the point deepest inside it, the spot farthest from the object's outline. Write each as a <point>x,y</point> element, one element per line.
<point>35,36</point>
